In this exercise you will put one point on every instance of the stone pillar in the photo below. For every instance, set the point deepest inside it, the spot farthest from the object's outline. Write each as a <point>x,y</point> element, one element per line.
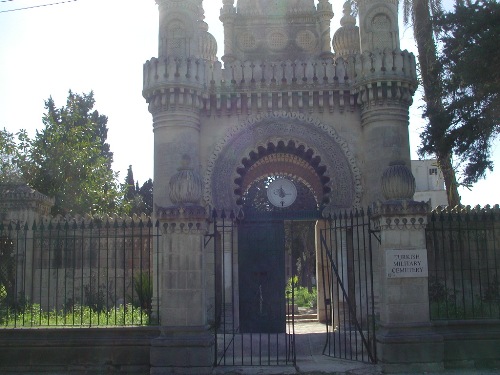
<point>186,344</point>
<point>325,14</point>
<point>405,338</point>
<point>386,82</point>
<point>227,15</point>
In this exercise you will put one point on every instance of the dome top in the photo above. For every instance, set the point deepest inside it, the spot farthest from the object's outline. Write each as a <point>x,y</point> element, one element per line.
<point>208,45</point>
<point>275,7</point>
<point>346,39</point>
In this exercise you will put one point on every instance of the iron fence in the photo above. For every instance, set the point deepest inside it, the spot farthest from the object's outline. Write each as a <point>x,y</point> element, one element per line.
<point>78,272</point>
<point>348,286</point>
<point>464,264</point>
<point>250,302</point>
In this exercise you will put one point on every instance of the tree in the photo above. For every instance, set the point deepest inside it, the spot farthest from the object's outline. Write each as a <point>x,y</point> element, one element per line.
<point>131,192</point>
<point>138,200</point>
<point>13,150</point>
<point>71,160</point>
<point>146,191</point>
<point>471,83</point>
<point>433,137</point>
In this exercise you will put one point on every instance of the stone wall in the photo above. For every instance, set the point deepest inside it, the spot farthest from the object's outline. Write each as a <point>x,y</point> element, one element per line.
<point>76,351</point>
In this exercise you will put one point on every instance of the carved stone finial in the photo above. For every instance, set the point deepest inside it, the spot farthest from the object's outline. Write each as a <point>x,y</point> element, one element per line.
<point>398,182</point>
<point>186,186</point>
<point>348,19</point>
<point>346,39</point>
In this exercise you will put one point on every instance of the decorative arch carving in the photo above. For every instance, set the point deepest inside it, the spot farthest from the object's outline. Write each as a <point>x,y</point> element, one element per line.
<point>176,37</point>
<point>382,23</point>
<point>289,159</point>
<point>305,131</point>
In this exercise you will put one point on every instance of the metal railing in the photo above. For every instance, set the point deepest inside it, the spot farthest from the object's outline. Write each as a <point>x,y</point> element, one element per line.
<point>464,264</point>
<point>348,286</point>
<point>78,272</point>
<point>253,339</point>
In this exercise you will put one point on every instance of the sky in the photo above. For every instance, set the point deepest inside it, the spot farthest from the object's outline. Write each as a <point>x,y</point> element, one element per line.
<point>101,45</point>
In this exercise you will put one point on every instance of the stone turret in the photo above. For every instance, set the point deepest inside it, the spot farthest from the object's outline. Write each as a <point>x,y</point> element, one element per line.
<point>385,83</point>
<point>173,87</point>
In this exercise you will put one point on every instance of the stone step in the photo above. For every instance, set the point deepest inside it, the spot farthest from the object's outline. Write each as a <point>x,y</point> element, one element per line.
<point>315,320</point>
<point>304,316</point>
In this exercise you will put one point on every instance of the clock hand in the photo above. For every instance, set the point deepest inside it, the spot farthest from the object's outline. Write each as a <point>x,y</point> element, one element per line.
<point>281,192</point>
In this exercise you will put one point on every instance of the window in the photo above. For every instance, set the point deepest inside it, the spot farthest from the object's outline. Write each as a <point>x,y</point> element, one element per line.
<point>433,171</point>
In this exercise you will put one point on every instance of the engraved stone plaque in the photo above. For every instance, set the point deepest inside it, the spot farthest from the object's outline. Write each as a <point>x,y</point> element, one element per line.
<point>406,263</point>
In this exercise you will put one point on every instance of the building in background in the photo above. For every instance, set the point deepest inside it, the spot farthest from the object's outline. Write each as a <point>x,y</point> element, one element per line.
<point>429,182</point>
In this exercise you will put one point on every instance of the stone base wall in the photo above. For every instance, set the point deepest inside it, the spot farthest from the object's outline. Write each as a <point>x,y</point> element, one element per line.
<point>470,344</point>
<point>76,351</point>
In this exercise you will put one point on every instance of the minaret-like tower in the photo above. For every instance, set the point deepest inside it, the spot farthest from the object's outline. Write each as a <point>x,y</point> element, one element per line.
<point>173,85</point>
<point>385,82</point>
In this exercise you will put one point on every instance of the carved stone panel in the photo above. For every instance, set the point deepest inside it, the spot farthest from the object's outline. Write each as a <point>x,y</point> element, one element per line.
<point>345,179</point>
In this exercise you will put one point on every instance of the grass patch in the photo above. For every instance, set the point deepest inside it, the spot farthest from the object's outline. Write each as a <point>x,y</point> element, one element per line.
<point>32,316</point>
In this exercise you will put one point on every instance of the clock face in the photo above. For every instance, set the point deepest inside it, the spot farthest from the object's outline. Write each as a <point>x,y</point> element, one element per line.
<point>281,192</point>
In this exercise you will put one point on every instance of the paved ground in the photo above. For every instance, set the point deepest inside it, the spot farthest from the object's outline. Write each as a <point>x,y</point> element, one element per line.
<point>310,339</point>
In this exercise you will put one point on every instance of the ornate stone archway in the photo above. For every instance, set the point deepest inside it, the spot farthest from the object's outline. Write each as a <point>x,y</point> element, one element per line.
<point>306,132</point>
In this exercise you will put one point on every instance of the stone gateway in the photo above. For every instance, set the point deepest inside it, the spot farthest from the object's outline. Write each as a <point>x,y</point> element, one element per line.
<point>291,125</point>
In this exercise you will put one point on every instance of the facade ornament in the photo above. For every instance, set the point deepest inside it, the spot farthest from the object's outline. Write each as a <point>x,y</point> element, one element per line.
<point>346,41</point>
<point>186,186</point>
<point>208,44</point>
<point>398,182</point>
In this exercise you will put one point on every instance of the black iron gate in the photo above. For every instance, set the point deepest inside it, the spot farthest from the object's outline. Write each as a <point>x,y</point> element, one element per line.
<point>261,265</point>
<point>251,323</point>
<point>254,320</point>
<point>347,283</point>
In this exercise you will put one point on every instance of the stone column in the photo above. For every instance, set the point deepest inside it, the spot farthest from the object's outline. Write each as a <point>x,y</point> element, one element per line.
<point>406,341</point>
<point>325,14</point>
<point>185,344</point>
<point>227,15</point>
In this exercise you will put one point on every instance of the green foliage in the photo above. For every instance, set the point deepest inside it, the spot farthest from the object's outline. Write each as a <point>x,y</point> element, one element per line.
<point>143,287</point>
<point>492,292</point>
<point>138,200</point>
<point>421,13</point>
<point>33,316</point>
<point>71,161</point>
<point>7,271</point>
<point>305,298</point>
<point>146,192</point>
<point>130,191</point>
<point>302,296</point>
<point>447,304</point>
<point>470,85</point>
<point>13,155</point>
<point>95,297</point>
